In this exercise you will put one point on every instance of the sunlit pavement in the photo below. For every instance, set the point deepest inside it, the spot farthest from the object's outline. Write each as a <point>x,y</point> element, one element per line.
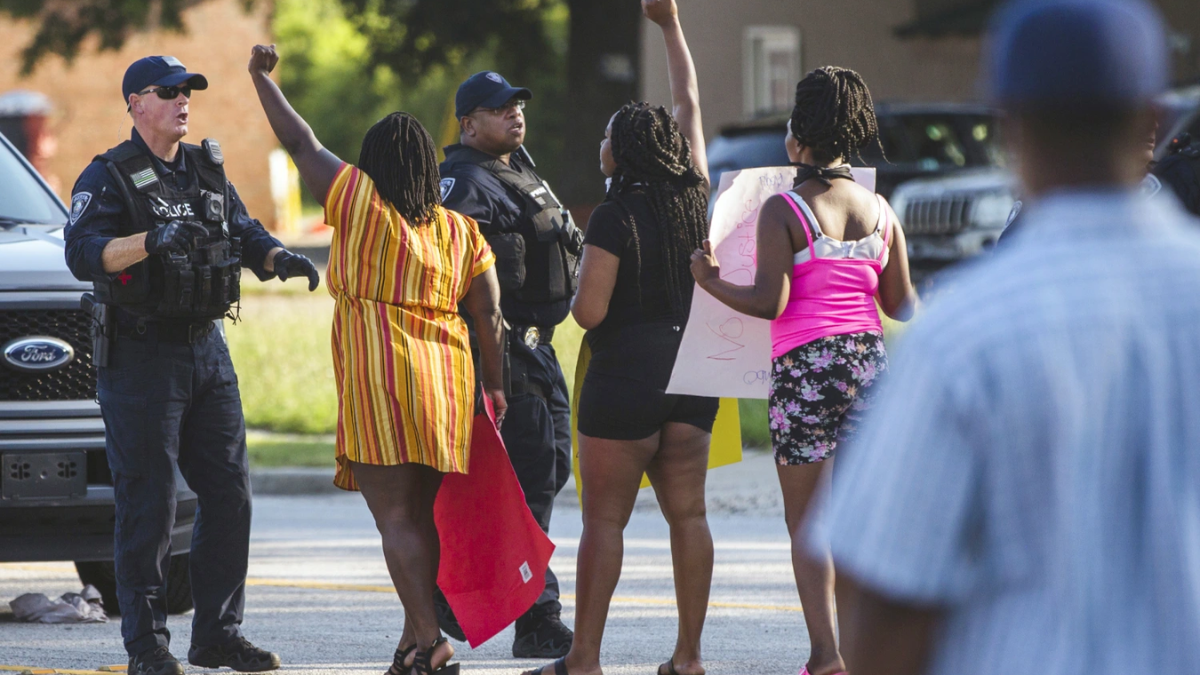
<point>319,594</point>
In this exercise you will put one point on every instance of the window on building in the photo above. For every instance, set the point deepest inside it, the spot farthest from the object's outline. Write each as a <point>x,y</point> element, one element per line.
<point>771,69</point>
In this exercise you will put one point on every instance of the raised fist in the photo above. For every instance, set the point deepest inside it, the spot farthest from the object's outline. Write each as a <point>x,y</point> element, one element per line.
<point>263,59</point>
<point>660,11</point>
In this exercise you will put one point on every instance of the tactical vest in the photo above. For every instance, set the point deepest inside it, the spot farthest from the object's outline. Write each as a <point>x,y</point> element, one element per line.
<point>551,268</point>
<point>199,285</point>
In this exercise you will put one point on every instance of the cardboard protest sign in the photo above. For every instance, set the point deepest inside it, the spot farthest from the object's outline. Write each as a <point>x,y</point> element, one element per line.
<point>724,449</point>
<point>725,352</point>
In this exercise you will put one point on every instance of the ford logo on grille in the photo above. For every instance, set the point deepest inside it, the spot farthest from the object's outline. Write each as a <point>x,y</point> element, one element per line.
<point>38,354</point>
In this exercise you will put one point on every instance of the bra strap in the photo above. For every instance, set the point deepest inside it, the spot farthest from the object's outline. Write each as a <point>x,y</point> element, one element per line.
<point>793,201</point>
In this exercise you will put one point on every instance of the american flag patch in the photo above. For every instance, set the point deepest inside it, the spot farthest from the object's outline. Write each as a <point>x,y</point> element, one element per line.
<point>144,178</point>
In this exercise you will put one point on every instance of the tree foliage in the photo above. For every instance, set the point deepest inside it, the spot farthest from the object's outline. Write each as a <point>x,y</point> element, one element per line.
<point>63,25</point>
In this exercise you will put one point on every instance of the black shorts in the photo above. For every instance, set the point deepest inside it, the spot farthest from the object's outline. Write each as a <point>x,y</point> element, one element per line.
<point>624,394</point>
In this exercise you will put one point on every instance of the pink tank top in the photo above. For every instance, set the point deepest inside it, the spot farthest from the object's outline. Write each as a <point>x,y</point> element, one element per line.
<point>833,283</point>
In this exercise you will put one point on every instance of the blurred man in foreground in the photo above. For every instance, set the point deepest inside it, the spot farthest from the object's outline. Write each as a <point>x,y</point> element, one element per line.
<point>1026,496</point>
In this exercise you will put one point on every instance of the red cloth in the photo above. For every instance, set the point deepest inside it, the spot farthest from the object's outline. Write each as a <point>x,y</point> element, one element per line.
<point>494,554</point>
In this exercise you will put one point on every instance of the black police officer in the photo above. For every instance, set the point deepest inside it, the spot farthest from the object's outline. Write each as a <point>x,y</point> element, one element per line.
<point>489,177</point>
<point>161,234</point>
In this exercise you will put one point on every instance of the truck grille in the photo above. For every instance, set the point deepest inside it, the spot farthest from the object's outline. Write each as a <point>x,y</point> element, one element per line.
<point>76,382</point>
<point>948,214</point>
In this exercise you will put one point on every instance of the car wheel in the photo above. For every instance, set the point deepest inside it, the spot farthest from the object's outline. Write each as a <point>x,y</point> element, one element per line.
<point>102,575</point>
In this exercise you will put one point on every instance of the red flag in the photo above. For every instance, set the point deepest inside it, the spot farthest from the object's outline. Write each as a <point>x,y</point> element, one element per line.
<point>494,554</point>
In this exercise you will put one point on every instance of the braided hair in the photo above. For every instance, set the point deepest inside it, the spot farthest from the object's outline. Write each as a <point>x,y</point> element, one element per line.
<point>834,114</point>
<point>649,150</point>
<point>399,156</point>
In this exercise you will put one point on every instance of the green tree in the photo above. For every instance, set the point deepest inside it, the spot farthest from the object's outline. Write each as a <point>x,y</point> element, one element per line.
<point>410,54</point>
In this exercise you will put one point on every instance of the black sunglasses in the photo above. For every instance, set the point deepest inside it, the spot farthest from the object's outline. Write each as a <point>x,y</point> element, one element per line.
<point>169,93</point>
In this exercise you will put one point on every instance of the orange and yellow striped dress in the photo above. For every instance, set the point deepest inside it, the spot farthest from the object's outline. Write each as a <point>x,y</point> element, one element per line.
<point>401,356</point>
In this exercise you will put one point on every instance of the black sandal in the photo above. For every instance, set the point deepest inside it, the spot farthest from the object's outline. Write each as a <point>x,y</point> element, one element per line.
<point>670,668</point>
<point>560,668</point>
<point>398,667</point>
<point>421,663</point>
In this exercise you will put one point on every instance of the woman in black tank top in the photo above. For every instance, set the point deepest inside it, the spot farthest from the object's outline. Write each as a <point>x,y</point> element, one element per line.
<point>635,291</point>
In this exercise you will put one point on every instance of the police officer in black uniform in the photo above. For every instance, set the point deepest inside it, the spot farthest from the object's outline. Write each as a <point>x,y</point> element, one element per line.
<point>489,177</point>
<point>162,235</point>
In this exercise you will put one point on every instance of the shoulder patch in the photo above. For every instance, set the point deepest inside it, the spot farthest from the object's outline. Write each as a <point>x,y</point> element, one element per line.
<point>79,204</point>
<point>447,186</point>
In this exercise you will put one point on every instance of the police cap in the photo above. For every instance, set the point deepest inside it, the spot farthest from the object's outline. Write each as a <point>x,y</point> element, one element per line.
<point>486,90</point>
<point>159,71</point>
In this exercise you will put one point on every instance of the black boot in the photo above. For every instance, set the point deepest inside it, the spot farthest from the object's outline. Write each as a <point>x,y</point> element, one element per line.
<point>542,637</point>
<point>238,654</point>
<point>157,661</point>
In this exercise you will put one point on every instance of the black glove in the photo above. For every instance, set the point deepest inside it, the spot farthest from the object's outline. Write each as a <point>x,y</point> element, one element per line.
<point>175,236</point>
<point>288,264</point>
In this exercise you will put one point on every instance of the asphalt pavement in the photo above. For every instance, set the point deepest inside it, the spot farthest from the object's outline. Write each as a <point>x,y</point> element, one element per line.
<point>319,593</point>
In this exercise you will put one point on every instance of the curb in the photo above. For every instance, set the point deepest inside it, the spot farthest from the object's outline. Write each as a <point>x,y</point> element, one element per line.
<point>293,481</point>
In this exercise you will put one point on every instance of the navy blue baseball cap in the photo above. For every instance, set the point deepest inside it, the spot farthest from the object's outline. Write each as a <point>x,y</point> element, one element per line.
<point>159,71</point>
<point>486,90</point>
<point>1046,54</point>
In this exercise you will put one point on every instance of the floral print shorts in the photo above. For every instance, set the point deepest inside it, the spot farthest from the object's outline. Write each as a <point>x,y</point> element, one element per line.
<point>819,391</point>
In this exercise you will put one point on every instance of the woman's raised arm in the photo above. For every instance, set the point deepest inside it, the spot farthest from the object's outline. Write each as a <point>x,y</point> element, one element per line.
<point>317,165</point>
<point>685,90</point>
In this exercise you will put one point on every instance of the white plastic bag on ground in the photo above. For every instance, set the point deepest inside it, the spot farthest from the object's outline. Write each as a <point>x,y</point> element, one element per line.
<point>81,607</point>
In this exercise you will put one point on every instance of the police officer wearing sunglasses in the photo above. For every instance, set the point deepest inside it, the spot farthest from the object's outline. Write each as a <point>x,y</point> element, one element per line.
<point>489,177</point>
<point>162,235</point>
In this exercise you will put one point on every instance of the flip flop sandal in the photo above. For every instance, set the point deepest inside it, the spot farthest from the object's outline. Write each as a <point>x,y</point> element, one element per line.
<point>670,668</point>
<point>560,668</point>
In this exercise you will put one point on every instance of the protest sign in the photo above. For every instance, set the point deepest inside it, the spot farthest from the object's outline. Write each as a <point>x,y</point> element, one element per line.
<point>725,352</point>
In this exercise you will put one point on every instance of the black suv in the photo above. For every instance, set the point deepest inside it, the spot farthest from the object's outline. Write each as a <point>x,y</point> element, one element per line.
<point>920,140</point>
<point>56,495</point>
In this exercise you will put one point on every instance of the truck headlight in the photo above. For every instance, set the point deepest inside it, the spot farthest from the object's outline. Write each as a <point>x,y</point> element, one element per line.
<point>991,210</point>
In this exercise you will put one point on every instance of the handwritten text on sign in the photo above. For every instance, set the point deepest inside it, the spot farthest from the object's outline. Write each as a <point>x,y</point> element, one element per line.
<point>724,352</point>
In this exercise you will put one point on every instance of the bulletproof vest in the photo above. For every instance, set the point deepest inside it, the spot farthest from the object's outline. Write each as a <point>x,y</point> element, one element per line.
<point>551,269</point>
<point>1180,170</point>
<point>201,284</point>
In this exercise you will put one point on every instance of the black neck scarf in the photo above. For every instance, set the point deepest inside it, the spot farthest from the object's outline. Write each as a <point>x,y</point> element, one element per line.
<point>806,172</point>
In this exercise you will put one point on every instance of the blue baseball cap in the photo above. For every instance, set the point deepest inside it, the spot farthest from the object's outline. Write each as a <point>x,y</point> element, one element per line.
<point>486,90</point>
<point>1076,53</point>
<point>159,71</point>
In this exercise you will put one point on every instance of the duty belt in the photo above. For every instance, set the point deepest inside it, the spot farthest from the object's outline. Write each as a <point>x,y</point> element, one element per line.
<point>161,331</point>
<point>533,336</point>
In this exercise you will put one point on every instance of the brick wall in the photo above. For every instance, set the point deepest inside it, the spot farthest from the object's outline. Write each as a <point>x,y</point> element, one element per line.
<point>89,116</point>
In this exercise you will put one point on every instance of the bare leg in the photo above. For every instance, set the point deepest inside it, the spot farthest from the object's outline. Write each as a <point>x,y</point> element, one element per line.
<point>401,500</point>
<point>678,473</point>
<point>611,472</point>
<point>814,576</point>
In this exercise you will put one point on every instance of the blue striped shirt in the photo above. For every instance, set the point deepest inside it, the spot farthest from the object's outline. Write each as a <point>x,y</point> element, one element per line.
<point>1033,465</point>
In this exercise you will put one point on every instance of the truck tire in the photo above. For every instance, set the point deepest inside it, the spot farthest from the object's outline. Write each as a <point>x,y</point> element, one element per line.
<point>102,575</point>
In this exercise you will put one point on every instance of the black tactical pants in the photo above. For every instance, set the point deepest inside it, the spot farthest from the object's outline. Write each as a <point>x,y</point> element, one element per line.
<point>537,435</point>
<point>164,404</point>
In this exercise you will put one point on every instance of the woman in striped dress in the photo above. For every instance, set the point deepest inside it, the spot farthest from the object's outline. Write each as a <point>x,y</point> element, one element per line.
<point>399,266</point>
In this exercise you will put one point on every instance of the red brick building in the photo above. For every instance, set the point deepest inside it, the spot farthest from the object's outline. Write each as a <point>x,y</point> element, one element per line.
<point>89,117</point>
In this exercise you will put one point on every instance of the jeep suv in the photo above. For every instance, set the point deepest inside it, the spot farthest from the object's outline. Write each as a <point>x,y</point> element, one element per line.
<point>919,140</point>
<point>951,218</point>
<point>56,494</point>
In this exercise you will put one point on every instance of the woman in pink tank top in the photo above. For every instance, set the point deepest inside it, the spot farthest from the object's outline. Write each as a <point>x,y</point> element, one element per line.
<point>828,250</point>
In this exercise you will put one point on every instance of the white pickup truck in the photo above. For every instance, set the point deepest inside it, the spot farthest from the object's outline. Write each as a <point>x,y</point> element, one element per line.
<point>56,495</point>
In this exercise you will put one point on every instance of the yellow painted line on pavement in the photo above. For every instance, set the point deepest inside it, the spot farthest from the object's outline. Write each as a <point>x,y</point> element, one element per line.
<point>113,669</point>
<point>323,586</point>
<point>28,669</point>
